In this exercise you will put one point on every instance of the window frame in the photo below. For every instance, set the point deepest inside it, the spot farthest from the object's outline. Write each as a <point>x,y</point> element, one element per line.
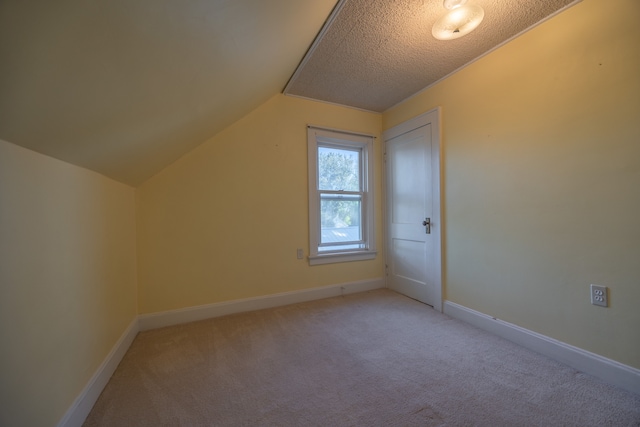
<point>331,138</point>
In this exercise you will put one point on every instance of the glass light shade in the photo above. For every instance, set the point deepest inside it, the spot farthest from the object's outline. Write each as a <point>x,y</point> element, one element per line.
<point>458,22</point>
<point>452,4</point>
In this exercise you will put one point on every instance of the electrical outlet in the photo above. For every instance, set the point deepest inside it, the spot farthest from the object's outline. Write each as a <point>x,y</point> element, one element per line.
<point>299,253</point>
<point>599,295</point>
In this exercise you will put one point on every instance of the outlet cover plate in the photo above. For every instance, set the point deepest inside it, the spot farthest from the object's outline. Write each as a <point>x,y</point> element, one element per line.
<point>599,295</point>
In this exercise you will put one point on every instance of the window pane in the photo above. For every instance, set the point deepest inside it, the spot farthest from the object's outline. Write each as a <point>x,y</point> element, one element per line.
<point>338,169</point>
<point>340,219</point>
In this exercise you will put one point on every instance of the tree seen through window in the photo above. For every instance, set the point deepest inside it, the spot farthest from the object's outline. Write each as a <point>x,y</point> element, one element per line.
<point>339,171</point>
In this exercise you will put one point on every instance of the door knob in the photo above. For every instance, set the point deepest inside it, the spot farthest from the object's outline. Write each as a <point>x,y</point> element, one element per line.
<point>427,224</point>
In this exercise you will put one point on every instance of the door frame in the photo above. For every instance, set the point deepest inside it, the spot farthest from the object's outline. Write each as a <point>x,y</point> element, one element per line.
<point>432,117</point>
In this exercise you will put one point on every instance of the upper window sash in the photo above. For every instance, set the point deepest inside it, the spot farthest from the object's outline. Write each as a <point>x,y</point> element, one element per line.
<point>361,157</point>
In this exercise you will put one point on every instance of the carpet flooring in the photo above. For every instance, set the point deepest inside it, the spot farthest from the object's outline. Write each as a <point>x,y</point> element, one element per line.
<point>370,359</point>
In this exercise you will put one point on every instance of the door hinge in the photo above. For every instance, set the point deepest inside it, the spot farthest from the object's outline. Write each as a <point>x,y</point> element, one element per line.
<point>386,270</point>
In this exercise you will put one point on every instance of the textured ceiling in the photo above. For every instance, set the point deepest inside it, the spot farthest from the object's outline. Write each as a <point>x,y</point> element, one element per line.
<point>375,53</point>
<point>126,87</point>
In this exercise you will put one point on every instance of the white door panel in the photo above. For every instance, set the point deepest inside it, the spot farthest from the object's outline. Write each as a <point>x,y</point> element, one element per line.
<point>413,255</point>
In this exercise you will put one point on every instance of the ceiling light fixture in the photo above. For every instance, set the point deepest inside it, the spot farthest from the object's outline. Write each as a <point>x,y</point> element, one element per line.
<point>461,19</point>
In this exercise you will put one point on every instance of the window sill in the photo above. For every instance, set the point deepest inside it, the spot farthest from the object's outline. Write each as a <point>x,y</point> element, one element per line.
<point>341,257</point>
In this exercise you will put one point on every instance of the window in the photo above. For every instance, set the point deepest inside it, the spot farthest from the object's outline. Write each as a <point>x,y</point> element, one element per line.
<point>340,196</point>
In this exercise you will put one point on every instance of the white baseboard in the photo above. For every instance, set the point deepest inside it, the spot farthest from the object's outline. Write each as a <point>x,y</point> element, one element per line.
<point>81,407</point>
<point>607,370</point>
<point>191,314</point>
<point>77,413</point>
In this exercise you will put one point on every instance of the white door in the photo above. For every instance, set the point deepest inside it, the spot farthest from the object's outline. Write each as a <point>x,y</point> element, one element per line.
<point>414,265</point>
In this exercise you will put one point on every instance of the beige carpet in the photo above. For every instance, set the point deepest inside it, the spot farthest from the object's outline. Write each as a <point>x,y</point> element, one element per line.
<point>370,359</point>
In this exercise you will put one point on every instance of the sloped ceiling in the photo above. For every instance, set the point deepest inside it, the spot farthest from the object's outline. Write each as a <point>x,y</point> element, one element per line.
<point>127,87</point>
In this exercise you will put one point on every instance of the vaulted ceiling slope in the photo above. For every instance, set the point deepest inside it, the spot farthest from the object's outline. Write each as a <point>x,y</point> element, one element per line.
<point>125,87</point>
<point>376,53</point>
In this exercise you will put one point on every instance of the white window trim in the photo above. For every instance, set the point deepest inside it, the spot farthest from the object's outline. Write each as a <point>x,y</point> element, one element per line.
<point>346,139</point>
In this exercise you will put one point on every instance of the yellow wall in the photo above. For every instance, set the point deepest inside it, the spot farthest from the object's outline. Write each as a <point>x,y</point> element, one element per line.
<point>224,222</point>
<point>68,277</point>
<point>541,146</point>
